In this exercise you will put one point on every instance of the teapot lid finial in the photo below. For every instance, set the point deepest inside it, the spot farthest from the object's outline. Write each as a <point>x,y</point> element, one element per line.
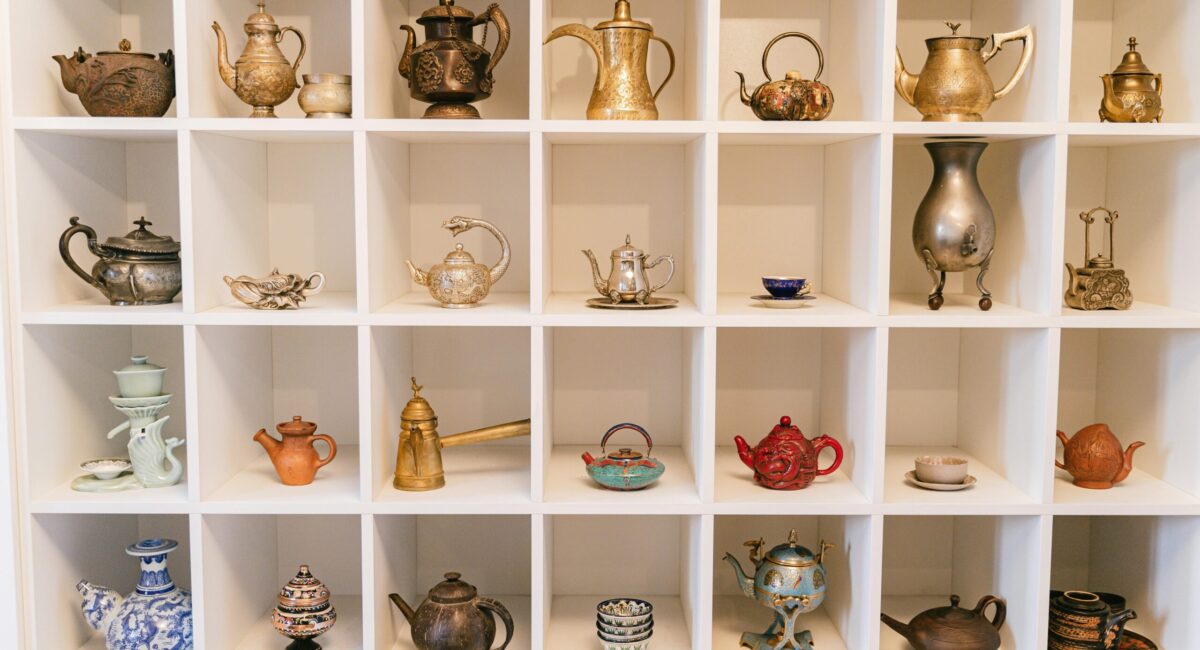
<point>1131,62</point>
<point>792,538</point>
<point>416,388</point>
<point>418,408</point>
<point>623,17</point>
<point>125,45</point>
<point>953,27</point>
<point>1132,43</point>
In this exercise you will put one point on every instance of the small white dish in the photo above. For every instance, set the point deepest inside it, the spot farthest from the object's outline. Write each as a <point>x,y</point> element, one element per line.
<point>940,487</point>
<point>106,469</point>
<point>771,302</point>
<point>137,402</point>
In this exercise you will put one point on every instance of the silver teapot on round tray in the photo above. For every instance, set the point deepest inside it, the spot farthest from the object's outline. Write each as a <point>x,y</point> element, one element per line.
<point>628,284</point>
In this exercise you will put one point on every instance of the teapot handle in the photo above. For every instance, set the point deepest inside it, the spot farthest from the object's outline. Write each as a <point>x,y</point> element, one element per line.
<point>495,15</point>
<point>64,249</point>
<point>303,47</point>
<point>313,284</point>
<point>1025,35</point>
<point>671,54</point>
<point>820,443</point>
<point>1062,437</point>
<point>494,606</point>
<point>1001,609</point>
<point>321,462</point>
<point>631,427</point>
<point>820,54</point>
<point>669,260</point>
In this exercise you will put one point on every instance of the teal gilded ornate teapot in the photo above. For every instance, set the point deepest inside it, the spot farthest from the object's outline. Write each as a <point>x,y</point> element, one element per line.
<point>789,579</point>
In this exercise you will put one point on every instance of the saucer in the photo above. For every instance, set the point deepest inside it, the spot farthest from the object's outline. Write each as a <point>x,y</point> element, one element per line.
<point>135,402</point>
<point>106,469</point>
<point>651,303</point>
<point>1135,641</point>
<point>911,475</point>
<point>771,302</point>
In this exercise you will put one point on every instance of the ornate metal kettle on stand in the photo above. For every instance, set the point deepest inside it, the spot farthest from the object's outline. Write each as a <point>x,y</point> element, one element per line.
<point>262,76</point>
<point>789,579</point>
<point>793,97</point>
<point>1099,284</point>
<point>622,90</point>
<point>954,85</point>
<point>449,69</point>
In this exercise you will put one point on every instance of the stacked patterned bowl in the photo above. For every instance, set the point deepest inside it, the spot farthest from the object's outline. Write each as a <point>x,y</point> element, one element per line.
<point>624,624</point>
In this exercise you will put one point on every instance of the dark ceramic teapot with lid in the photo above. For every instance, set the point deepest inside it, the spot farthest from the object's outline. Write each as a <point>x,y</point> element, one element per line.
<point>140,268</point>
<point>953,628</point>
<point>455,617</point>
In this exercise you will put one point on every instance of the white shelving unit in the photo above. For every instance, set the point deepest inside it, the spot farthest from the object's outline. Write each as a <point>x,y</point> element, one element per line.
<point>732,199</point>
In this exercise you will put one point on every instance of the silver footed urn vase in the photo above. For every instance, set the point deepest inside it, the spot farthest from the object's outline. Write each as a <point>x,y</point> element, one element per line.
<point>954,228</point>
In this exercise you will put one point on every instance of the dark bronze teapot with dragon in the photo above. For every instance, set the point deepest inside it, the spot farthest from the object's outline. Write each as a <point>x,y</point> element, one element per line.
<point>450,70</point>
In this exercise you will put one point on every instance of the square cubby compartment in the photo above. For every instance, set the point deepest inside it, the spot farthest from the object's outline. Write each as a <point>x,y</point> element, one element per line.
<point>324,23</point>
<point>849,33</point>
<point>255,377</point>
<point>44,29</point>
<point>1148,183</point>
<point>1101,30</point>
<point>656,558</point>
<point>249,558</point>
<point>1143,385</point>
<point>282,201</point>
<point>983,395</point>
<point>129,175</point>
<point>415,185</point>
<point>824,380</point>
<point>1153,562</point>
<point>1017,179</point>
<point>68,377</point>
<point>1034,98</point>
<point>598,378</point>
<point>805,207</point>
<point>841,621</point>
<point>68,548</point>
<point>599,194</point>
<point>389,95</point>
<point>413,553</point>
<point>472,377</point>
<point>929,560</point>
<point>569,66</point>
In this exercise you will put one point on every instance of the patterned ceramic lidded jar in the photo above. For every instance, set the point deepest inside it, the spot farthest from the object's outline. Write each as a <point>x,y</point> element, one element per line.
<point>304,611</point>
<point>158,614</point>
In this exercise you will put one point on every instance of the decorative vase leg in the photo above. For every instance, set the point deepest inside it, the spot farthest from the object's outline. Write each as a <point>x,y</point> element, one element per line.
<point>304,644</point>
<point>985,299</point>
<point>939,280</point>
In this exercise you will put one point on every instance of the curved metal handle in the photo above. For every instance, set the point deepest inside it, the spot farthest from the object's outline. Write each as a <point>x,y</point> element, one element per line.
<point>820,443</point>
<point>1001,609</point>
<point>501,612</point>
<point>495,15</point>
<point>626,426</point>
<point>1064,439</point>
<point>1158,86</point>
<point>309,287</point>
<point>303,47</point>
<point>64,249</point>
<point>820,54</point>
<point>669,260</point>
<point>321,462</point>
<point>1025,35</point>
<point>671,54</point>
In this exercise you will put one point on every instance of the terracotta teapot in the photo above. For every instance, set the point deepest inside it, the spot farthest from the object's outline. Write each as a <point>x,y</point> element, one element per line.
<point>140,268</point>
<point>455,617</point>
<point>1093,457</point>
<point>953,628</point>
<point>460,282</point>
<point>785,459</point>
<point>120,84</point>
<point>954,85</point>
<point>793,97</point>
<point>1131,92</point>
<point>262,76</point>
<point>295,459</point>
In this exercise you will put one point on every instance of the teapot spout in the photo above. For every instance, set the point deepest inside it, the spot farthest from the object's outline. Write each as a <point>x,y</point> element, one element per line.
<point>906,83</point>
<point>584,33</point>
<point>410,40</point>
<point>418,276</point>
<point>228,72</point>
<point>901,628</point>
<point>1127,465</point>
<point>99,603</point>
<point>402,606</point>
<point>268,443</point>
<point>597,280</point>
<point>746,98</point>
<point>744,581</point>
<point>745,451</point>
<point>68,66</point>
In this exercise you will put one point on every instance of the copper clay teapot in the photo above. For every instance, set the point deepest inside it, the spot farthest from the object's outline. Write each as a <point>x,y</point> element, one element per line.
<point>953,628</point>
<point>1094,457</point>
<point>793,97</point>
<point>450,70</point>
<point>1132,93</point>
<point>785,459</point>
<point>295,459</point>
<point>455,617</point>
<point>120,84</point>
<point>262,76</point>
<point>622,89</point>
<point>954,85</point>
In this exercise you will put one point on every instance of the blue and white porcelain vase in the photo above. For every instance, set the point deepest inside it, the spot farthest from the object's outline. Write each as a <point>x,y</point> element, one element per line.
<point>156,615</point>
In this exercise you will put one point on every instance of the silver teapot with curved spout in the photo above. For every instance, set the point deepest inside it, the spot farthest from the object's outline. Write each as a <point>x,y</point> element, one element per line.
<point>627,279</point>
<point>459,281</point>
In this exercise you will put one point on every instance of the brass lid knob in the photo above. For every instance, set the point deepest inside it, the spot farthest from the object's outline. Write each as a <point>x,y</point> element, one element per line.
<point>418,408</point>
<point>1132,62</point>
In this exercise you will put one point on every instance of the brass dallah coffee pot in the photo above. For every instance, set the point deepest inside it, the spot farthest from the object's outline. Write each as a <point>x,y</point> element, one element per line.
<point>1099,284</point>
<point>262,76</point>
<point>622,90</point>
<point>419,457</point>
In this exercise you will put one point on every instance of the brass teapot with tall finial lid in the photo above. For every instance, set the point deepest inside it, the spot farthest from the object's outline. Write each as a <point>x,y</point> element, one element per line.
<point>262,76</point>
<point>622,89</point>
<point>1131,92</point>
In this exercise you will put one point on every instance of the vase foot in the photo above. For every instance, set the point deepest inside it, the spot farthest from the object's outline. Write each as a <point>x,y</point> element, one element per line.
<point>452,112</point>
<point>304,644</point>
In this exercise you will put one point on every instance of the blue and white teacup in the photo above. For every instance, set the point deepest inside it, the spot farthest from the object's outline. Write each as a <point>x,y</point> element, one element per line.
<point>784,287</point>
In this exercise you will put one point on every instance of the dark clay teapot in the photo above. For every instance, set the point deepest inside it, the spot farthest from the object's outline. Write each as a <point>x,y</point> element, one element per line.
<point>455,617</point>
<point>785,459</point>
<point>953,628</point>
<point>120,83</point>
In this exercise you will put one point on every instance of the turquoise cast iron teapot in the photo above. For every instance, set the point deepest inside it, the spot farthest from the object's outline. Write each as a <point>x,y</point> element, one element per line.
<point>624,469</point>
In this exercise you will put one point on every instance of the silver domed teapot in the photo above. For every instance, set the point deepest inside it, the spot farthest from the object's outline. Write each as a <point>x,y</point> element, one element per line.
<point>140,268</point>
<point>627,279</point>
<point>459,281</point>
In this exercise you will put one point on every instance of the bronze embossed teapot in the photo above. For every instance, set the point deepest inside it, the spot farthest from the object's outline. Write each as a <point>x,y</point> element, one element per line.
<point>140,268</point>
<point>455,617</point>
<point>450,69</point>
<point>1131,92</point>
<point>120,84</point>
<point>953,628</point>
<point>262,76</point>
<point>793,97</point>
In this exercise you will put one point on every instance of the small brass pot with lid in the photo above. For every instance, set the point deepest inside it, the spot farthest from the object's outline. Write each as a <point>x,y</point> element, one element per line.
<point>140,268</point>
<point>1131,92</point>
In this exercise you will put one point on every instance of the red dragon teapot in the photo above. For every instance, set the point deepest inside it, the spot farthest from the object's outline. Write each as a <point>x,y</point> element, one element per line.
<point>785,459</point>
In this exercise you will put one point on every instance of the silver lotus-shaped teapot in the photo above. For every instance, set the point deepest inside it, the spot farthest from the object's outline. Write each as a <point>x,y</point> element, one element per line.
<point>627,280</point>
<point>459,281</point>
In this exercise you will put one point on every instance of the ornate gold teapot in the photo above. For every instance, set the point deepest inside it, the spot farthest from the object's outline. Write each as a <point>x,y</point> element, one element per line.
<point>262,77</point>
<point>622,90</point>
<point>1131,92</point>
<point>627,279</point>
<point>459,281</point>
<point>1099,284</point>
<point>954,85</point>
<point>793,97</point>
<point>449,69</point>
